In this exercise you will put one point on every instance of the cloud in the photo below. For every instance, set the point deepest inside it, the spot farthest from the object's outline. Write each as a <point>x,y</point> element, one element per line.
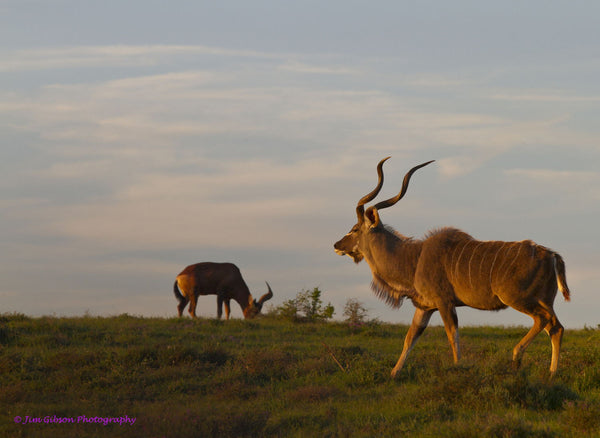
<point>557,177</point>
<point>242,205</point>
<point>585,184</point>
<point>169,224</point>
<point>461,165</point>
<point>300,67</point>
<point>548,96</point>
<point>113,55</point>
<point>432,80</point>
<point>153,111</point>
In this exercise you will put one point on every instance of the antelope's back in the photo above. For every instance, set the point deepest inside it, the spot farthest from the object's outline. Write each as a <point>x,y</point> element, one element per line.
<point>206,277</point>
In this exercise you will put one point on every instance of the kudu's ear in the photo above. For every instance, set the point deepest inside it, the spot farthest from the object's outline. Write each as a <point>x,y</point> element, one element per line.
<point>372,217</point>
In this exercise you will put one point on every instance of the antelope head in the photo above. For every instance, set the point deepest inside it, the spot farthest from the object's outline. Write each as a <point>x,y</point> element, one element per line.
<point>254,307</point>
<point>354,244</point>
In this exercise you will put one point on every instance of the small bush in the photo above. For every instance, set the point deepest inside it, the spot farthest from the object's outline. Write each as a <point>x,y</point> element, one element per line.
<point>307,306</point>
<point>355,313</point>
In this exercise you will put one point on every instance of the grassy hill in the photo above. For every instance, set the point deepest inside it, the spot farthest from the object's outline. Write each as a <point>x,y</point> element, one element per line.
<point>268,377</point>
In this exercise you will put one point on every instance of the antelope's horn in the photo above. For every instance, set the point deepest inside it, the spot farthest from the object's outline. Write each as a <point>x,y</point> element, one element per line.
<point>266,296</point>
<point>360,209</point>
<point>392,201</point>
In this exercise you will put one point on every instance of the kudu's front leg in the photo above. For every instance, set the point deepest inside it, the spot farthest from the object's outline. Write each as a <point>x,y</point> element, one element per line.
<point>419,323</point>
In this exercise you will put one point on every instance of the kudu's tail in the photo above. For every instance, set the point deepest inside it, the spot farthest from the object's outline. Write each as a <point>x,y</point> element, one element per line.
<point>177,294</point>
<point>561,276</point>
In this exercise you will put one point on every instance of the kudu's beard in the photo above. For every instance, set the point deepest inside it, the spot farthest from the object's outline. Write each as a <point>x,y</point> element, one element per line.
<point>356,256</point>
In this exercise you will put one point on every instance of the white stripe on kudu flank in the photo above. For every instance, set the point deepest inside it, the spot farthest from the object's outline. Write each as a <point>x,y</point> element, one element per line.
<point>482,259</point>
<point>512,263</point>
<point>470,260</point>
<point>494,262</point>
<point>459,257</point>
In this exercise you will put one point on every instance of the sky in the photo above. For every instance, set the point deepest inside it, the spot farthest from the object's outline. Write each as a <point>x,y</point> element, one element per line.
<point>139,137</point>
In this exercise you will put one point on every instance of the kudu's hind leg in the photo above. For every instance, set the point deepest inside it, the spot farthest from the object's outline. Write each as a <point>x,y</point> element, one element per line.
<point>419,323</point>
<point>538,325</point>
<point>451,325</point>
<point>555,331</point>
<point>544,319</point>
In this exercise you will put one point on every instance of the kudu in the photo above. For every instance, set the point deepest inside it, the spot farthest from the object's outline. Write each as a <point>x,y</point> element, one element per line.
<point>221,279</point>
<point>449,268</point>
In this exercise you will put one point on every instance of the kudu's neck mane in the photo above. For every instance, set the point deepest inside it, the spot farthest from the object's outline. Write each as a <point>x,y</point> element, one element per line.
<point>394,257</point>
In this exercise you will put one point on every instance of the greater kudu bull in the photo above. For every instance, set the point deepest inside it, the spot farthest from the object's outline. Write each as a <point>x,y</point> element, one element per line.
<point>449,268</point>
<point>221,279</point>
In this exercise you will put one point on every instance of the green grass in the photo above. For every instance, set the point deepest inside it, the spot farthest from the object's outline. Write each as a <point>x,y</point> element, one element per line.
<point>266,377</point>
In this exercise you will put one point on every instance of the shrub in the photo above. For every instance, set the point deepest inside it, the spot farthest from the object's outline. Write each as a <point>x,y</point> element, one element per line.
<point>307,306</point>
<point>355,312</point>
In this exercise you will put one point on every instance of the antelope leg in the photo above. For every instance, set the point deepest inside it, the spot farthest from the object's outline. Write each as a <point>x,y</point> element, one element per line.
<point>220,306</point>
<point>451,325</point>
<point>227,309</point>
<point>538,325</point>
<point>556,333</point>
<point>419,323</point>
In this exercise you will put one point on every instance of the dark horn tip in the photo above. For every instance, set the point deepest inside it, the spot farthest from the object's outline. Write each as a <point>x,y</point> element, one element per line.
<point>270,292</point>
<point>266,296</point>
<point>420,166</point>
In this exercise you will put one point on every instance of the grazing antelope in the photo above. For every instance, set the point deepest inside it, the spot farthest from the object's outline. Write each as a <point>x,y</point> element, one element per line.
<point>449,269</point>
<point>221,279</point>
